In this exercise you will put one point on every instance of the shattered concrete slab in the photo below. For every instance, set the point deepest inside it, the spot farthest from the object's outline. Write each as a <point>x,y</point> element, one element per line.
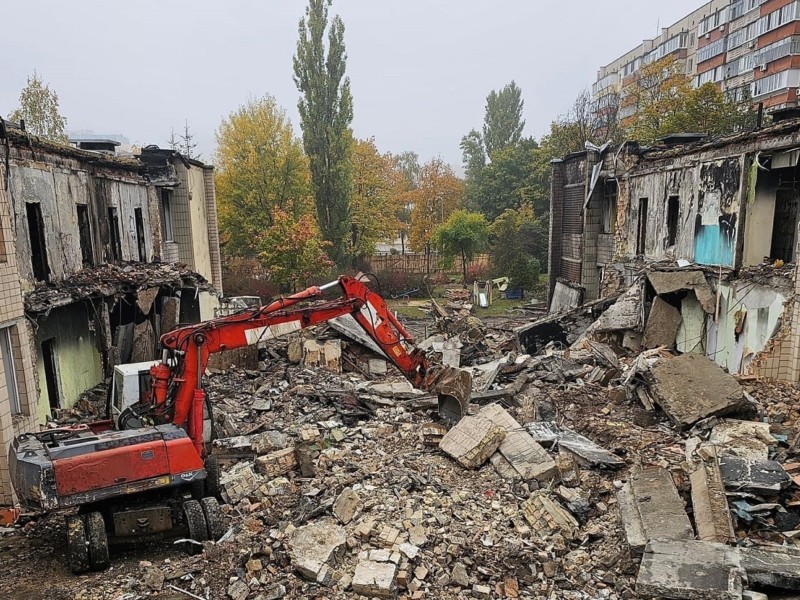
<point>472,441</point>
<point>484,375</point>
<point>566,296</point>
<point>690,570</point>
<point>668,282</point>
<point>546,516</point>
<point>527,457</point>
<point>375,579</point>
<point>315,547</point>
<point>745,439</point>
<point>650,508</point>
<point>692,387</point>
<point>349,327</point>
<point>712,516</point>
<point>624,314</point>
<point>757,476</point>
<point>582,448</point>
<point>662,325</point>
<point>772,566</point>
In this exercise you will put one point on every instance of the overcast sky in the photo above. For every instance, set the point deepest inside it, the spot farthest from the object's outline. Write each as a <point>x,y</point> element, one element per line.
<point>420,69</point>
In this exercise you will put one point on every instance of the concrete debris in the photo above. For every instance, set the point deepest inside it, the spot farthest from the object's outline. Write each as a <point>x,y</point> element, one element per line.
<point>315,547</point>
<point>472,441</point>
<point>758,476</point>
<point>375,579</point>
<point>692,387</point>
<point>745,439</point>
<point>525,456</point>
<point>662,326</point>
<point>327,354</point>
<point>669,282</point>
<point>585,450</point>
<point>277,463</point>
<point>712,516</point>
<point>650,508</point>
<point>346,505</point>
<point>547,517</point>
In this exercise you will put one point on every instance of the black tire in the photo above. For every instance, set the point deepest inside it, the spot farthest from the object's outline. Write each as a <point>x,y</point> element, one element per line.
<point>198,530</point>
<point>197,489</point>
<point>77,544</point>
<point>213,514</point>
<point>212,486</point>
<point>98,541</point>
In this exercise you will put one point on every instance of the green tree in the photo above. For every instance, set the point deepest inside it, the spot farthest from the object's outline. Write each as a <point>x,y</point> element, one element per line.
<point>38,107</point>
<point>293,251</point>
<point>463,235</point>
<point>439,194</point>
<point>326,111</point>
<point>508,255</point>
<point>506,181</point>
<point>474,160</point>
<point>406,164</point>
<point>260,166</point>
<point>503,122</point>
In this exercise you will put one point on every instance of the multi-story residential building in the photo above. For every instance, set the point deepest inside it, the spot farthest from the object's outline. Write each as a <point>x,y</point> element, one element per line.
<point>99,254</point>
<point>748,48</point>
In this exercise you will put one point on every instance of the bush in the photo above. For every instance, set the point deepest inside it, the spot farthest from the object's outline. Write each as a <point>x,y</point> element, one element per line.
<point>393,283</point>
<point>245,277</point>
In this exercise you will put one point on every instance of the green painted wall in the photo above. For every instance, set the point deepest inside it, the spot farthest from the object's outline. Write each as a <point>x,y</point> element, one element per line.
<point>78,364</point>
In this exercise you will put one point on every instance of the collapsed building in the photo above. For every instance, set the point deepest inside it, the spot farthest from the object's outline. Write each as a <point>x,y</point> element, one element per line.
<point>704,228</point>
<point>100,254</point>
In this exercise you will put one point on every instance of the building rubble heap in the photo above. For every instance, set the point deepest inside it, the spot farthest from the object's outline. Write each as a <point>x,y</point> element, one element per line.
<point>583,472</point>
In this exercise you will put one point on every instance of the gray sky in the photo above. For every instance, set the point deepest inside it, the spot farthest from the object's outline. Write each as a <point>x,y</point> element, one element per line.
<point>420,69</point>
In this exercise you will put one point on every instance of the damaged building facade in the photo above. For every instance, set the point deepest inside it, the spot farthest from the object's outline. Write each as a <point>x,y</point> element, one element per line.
<point>102,253</point>
<point>705,230</point>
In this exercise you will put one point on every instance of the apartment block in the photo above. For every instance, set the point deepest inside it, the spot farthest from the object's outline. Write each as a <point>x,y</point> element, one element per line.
<point>99,255</point>
<point>748,48</point>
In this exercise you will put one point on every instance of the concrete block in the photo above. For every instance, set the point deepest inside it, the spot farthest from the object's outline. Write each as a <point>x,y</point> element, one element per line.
<point>268,441</point>
<point>346,505</point>
<point>690,570</point>
<point>651,508</point>
<point>692,387</point>
<point>472,441</point>
<point>527,457</point>
<point>240,482</point>
<point>711,514</point>
<point>375,579</point>
<point>315,546</point>
<point>772,566</point>
<point>662,325</point>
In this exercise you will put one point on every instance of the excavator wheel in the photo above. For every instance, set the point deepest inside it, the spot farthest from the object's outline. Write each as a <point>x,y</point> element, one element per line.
<point>98,541</point>
<point>198,530</point>
<point>77,544</point>
<point>213,514</point>
<point>212,487</point>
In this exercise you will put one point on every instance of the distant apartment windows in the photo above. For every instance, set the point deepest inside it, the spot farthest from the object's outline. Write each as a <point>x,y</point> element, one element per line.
<point>85,235</point>
<point>140,243</point>
<point>773,52</point>
<point>166,215</point>
<point>736,9</point>
<point>9,370</point>
<point>777,18</point>
<point>41,269</point>
<point>713,21</point>
<point>712,75</point>
<point>114,233</point>
<point>736,38</point>
<point>775,82</point>
<point>712,50</point>
<point>673,208</point>
<point>641,229</point>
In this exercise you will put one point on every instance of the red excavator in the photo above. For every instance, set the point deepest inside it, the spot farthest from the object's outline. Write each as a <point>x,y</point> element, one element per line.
<point>147,472</point>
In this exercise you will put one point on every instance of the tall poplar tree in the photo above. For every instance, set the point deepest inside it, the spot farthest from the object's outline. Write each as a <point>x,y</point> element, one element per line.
<point>326,112</point>
<point>503,123</point>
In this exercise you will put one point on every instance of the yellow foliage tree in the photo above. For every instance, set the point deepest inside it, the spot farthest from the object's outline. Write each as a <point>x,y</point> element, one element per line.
<point>377,196</point>
<point>439,194</point>
<point>260,167</point>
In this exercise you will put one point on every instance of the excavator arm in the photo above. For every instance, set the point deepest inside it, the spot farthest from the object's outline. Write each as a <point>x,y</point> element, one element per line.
<point>177,395</point>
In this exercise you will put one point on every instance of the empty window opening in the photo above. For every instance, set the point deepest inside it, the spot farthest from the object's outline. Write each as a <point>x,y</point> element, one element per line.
<point>610,206</point>
<point>41,269</point>
<point>673,205</point>
<point>166,215</point>
<point>784,225</point>
<point>641,230</point>
<point>137,213</point>
<point>49,359</point>
<point>113,227</point>
<point>85,232</point>
<point>9,370</point>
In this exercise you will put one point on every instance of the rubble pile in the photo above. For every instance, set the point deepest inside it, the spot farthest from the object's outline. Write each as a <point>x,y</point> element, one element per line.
<point>583,471</point>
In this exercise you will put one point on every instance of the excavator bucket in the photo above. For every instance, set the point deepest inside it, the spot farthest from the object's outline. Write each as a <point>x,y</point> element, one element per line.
<point>454,387</point>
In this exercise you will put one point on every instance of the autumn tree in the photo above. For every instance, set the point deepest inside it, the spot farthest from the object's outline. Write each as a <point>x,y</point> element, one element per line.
<point>260,166</point>
<point>509,254</point>
<point>406,166</point>
<point>463,235</point>
<point>440,193</point>
<point>39,109</point>
<point>376,198</point>
<point>292,250</point>
<point>326,111</point>
<point>503,122</point>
